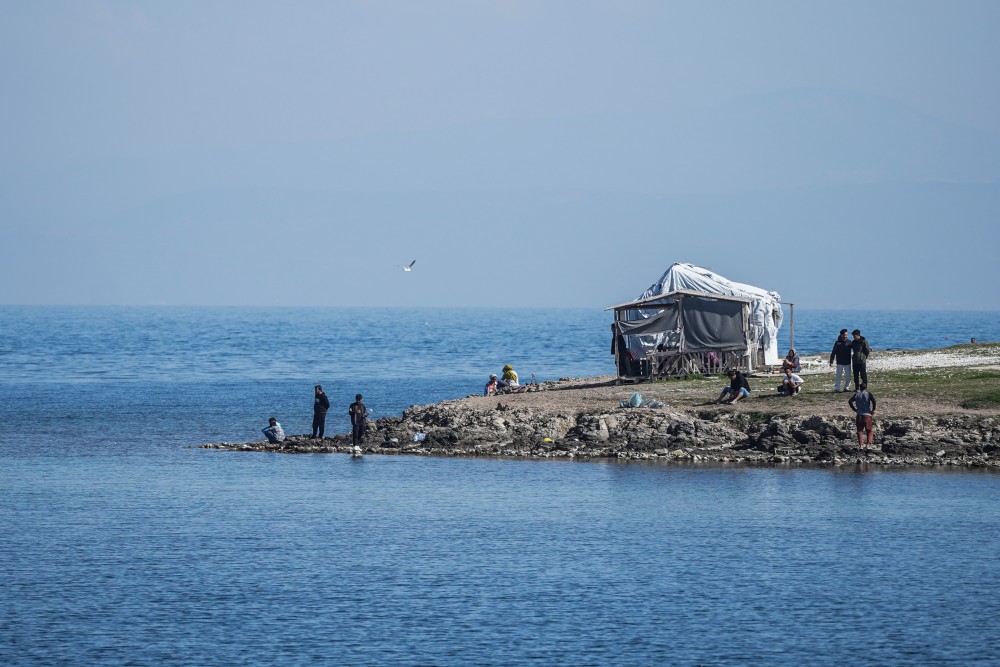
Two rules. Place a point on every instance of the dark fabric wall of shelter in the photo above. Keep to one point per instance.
(668, 320)
(708, 324)
(711, 324)
(704, 324)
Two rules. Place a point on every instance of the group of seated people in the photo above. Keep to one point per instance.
(505, 382)
(739, 387)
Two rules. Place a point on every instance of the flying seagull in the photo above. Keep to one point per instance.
(410, 267)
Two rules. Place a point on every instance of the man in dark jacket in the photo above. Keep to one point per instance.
(358, 413)
(841, 353)
(739, 387)
(859, 358)
(320, 405)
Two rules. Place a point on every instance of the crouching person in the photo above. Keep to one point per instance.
(273, 432)
(791, 384)
(738, 389)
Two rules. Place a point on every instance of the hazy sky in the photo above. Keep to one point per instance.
(845, 154)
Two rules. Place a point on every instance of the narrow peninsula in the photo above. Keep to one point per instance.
(935, 407)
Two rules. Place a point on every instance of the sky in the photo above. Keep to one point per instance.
(543, 154)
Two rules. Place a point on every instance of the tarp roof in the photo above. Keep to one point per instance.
(765, 306)
(652, 301)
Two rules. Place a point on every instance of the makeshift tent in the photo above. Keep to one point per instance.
(696, 319)
(682, 332)
(765, 306)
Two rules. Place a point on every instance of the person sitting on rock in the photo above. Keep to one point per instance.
(491, 386)
(791, 384)
(509, 377)
(273, 432)
(739, 387)
(791, 361)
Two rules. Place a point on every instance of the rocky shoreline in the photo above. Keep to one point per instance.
(924, 418)
(501, 427)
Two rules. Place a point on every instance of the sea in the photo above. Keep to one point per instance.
(124, 543)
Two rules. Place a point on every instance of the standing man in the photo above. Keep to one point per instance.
(859, 359)
(863, 404)
(320, 405)
(841, 353)
(358, 412)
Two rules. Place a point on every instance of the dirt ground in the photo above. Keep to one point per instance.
(578, 395)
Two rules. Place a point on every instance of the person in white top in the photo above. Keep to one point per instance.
(791, 385)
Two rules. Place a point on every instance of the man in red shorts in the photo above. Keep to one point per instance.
(863, 403)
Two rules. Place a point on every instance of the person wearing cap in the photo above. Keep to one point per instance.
(841, 353)
(859, 358)
(273, 432)
(491, 386)
(738, 387)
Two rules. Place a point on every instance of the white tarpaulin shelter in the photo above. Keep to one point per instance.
(765, 306)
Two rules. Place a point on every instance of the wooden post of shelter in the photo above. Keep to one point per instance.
(791, 324)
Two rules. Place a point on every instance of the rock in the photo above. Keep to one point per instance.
(518, 428)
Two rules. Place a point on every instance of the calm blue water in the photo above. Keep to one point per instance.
(122, 544)
(816, 330)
